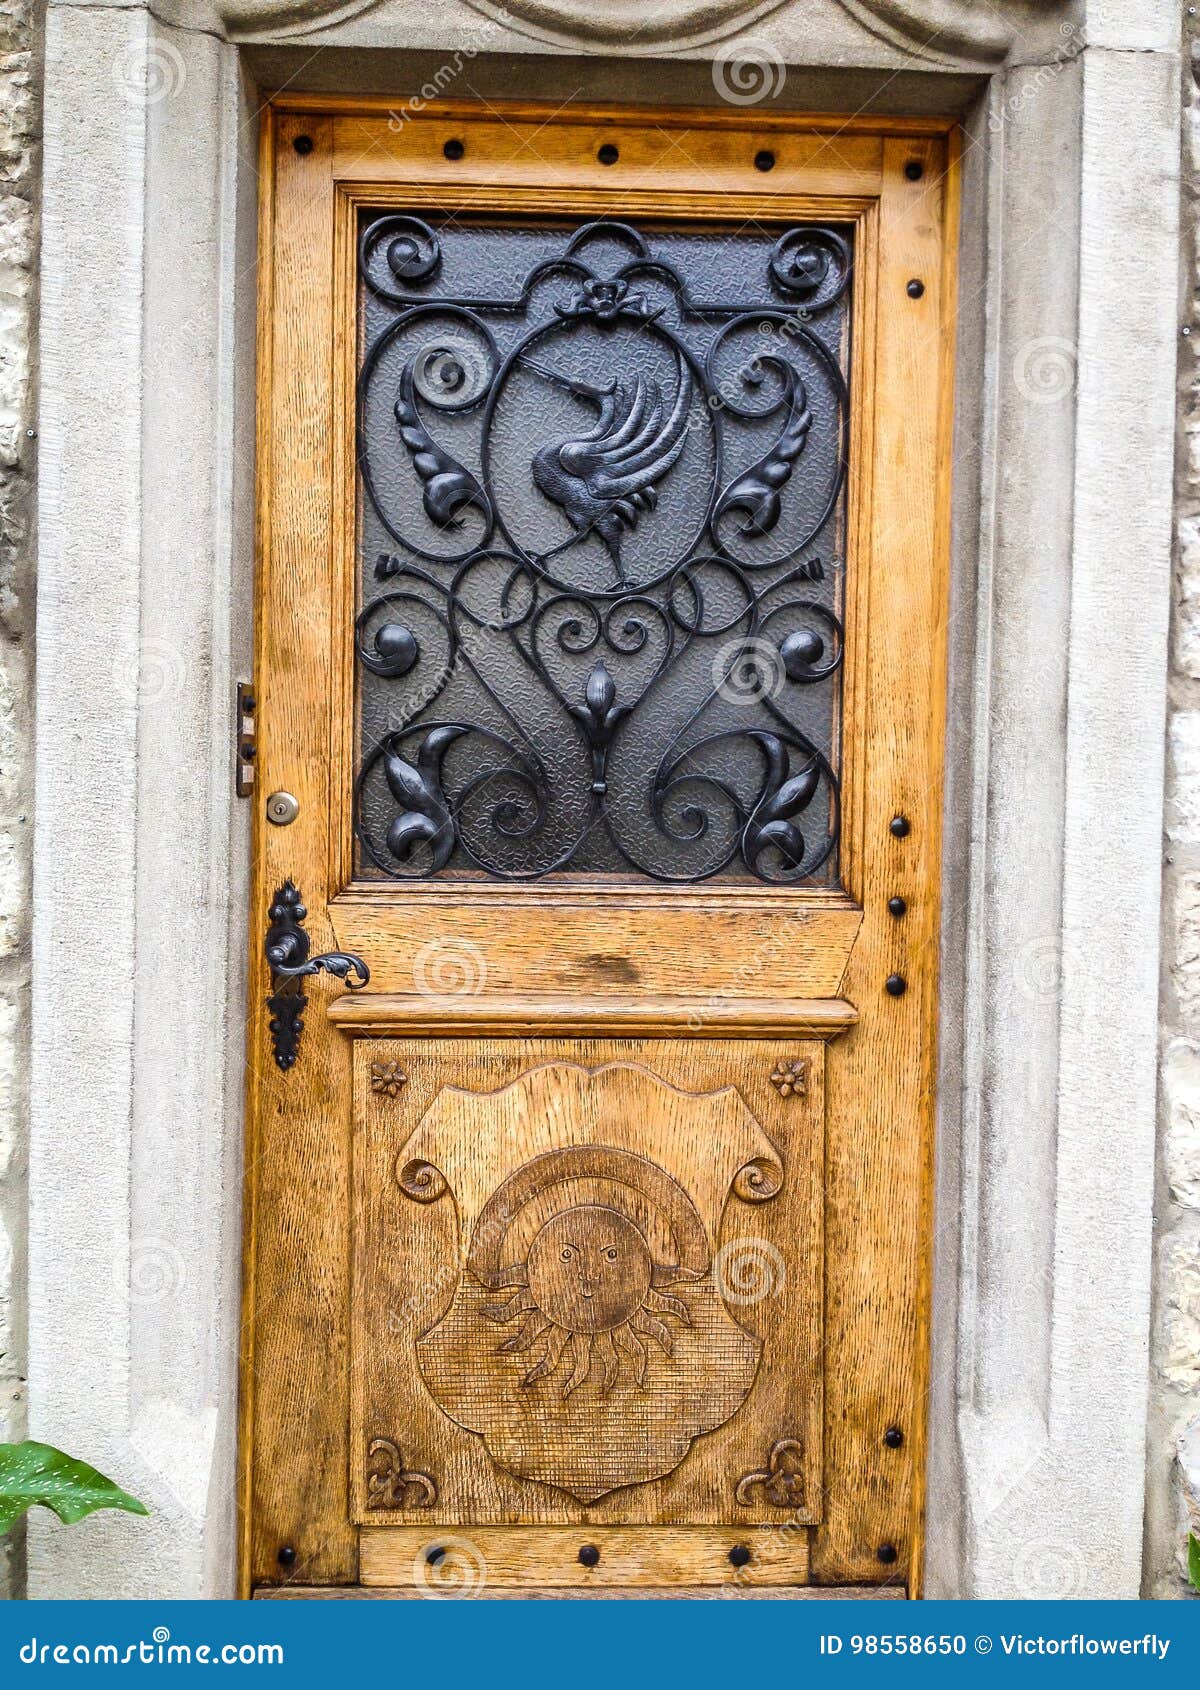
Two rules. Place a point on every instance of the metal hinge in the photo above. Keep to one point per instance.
(245, 733)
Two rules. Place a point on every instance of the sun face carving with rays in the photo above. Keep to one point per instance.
(590, 1294)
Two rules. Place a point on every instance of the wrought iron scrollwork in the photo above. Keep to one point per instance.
(605, 634)
(287, 951)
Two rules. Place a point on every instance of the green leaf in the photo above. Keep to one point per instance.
(38, 1473)
(1194, 1561)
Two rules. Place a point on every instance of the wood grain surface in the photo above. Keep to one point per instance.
(629, 1556)
(744, 1360)
(534, 1593)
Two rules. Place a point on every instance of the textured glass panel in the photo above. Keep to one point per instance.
(601, 545)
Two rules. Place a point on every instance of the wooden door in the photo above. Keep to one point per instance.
(603, 465)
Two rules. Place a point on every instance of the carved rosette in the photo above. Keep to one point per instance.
(387, 1079)
(790, 1077)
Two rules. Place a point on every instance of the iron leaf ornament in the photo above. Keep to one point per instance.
(448, 487)
(426, 819)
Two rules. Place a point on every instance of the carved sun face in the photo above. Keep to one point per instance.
(588, 1297)
(589, 1270)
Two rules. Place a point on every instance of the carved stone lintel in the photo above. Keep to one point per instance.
(294, 15)
(937, 28)
(934, 28)
(389, 1485)
(617, 22)
(930, 30)
(782, 1480)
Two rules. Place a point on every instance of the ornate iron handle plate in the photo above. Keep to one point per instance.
(287, 948)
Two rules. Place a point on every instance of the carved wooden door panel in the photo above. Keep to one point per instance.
(602, 461)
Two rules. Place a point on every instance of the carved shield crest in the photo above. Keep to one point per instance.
(588, 1341)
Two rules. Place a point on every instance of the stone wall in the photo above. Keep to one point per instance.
(20, 117)
(1173, 1456)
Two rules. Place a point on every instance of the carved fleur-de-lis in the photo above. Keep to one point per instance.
(782, 1480)
(425, 818)
(390, 1484)
(599, 716)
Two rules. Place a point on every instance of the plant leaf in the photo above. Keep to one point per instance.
(1194, 1561)
(32, 1473)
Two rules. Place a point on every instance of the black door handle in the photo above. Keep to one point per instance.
(287, 947)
